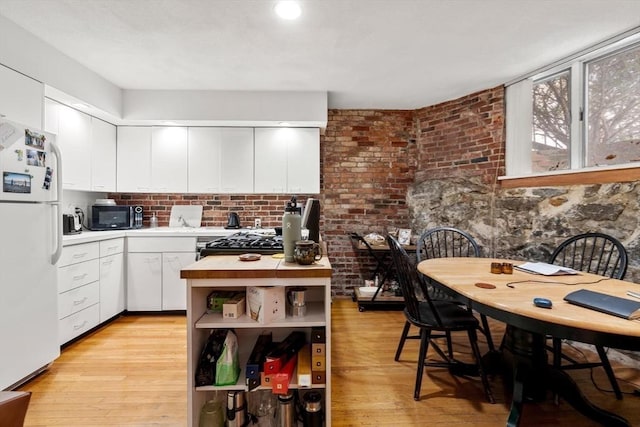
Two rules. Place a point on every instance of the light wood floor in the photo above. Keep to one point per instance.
(133, 373)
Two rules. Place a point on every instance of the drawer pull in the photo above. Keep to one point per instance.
(112, 248)
(82, 255)
(82, 325)
(78, 302)
(107, 262)
(80, 276)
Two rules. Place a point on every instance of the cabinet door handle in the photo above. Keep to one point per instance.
(80, 326)
(78, 302)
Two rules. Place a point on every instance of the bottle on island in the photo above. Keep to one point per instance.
(290, 228)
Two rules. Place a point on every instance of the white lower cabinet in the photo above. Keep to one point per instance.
(174, 289)
(91, 287)
(78, 291)
(153, 272)
(112, 285)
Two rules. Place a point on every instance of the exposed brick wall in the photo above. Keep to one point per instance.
(369, 162)
(463, 137)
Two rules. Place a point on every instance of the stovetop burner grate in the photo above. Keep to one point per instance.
(241, 243)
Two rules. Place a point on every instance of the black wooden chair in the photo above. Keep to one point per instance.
(596, 253)
(442, 317)
(442, 242)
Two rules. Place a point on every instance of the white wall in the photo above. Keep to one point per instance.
(226, 108)
(23, 52)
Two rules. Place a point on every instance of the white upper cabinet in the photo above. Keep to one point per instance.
(287, 160)
(204, 160)
(134, 159)
(88, 147)
(152, 159)
(74, 140)
(220, 160)
(103, 163)
(169, 160)
(236, 167)
(20, 98)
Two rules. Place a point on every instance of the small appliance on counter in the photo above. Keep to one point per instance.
(71, 224)
(115, 217)
(233, 221)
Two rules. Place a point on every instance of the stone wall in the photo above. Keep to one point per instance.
(528, 223)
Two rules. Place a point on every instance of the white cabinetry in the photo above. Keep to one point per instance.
(152, 159)
(112, 285)
(91, 287)
(169, 160)
(134, 159)
(228, 273)
(20, 98)
(220, 160)
(88, 147)
(287, 160)
(103, 156)
(153, 272)
(78, 290)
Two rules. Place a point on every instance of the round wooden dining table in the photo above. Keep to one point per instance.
(509, 298)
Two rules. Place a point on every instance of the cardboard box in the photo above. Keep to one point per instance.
(234, 308)
(216, 299)
(266, 304)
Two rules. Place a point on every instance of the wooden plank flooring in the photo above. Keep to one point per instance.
(133, 373)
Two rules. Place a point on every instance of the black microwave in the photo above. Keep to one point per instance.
(115, 217)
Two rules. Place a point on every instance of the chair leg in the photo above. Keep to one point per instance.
(557, 353)
(449, 344)
(473, 340)
(425, 336)
(607, 368)
(403, 337)
(487, 332)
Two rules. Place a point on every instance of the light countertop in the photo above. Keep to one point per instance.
(94, 236)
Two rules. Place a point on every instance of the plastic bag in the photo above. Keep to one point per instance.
(228, 365)
(206, 371)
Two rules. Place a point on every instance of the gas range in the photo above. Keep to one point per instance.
(241, 243)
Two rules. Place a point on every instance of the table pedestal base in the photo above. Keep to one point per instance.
(532, 376)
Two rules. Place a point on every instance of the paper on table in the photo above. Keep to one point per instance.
(545, 269)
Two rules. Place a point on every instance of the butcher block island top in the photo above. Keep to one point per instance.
(267, 267)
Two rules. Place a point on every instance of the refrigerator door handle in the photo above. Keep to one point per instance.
(57, 219)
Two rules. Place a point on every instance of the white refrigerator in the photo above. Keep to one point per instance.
(30, 246)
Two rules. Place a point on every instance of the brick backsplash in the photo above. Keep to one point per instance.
(368, 160)
(268, 207)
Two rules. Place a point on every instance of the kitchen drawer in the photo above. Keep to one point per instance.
(78, 253)
(78, 323)
(75, 275)
(78, 299)
(161, 244)
(111, 246)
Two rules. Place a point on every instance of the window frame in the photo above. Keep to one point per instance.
(518, 150)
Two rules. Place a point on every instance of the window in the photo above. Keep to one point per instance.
(580, 114)
(613, 109)
(551, 142)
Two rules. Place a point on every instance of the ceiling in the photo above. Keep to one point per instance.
(383, 54)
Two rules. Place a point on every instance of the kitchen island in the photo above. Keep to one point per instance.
(228, 272)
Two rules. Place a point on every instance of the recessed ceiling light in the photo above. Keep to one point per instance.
(288, 9)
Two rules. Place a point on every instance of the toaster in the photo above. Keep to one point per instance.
(71, 224)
